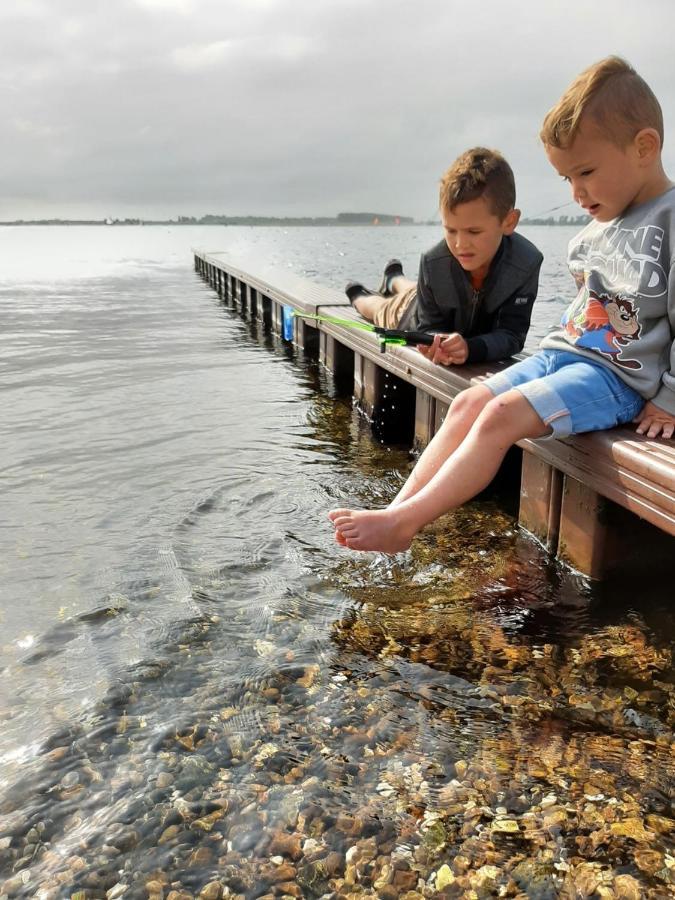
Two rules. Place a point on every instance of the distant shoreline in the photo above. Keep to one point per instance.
(348, 218)
(263, 222)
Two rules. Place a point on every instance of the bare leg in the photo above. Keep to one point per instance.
(368, 305)
(400, 284)
(503, 421)
(463, 412)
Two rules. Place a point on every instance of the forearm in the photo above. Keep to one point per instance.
(499, 344)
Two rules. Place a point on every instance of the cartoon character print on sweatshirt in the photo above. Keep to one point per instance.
(617, 271)
(604, 322)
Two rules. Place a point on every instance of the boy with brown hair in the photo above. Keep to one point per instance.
(612, 360)
(475, 288)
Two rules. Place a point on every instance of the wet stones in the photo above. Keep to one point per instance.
(313, 878)
(164, 780)
(289, 845)
(439, 754)
(124, 840)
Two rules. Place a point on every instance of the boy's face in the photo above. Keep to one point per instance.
(473, 233)
(605, 179)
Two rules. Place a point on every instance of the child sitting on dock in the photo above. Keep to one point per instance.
(612, 359)
(475, 288)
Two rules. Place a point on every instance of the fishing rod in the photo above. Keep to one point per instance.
(552, 209)
(394, 336)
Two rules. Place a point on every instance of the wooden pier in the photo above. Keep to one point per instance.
(592, 500)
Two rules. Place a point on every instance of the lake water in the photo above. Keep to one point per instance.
(202, 693)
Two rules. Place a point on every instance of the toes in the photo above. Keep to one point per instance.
(347, 527)
(343, 522)
(334, 513)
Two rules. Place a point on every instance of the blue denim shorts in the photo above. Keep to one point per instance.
(570, 393)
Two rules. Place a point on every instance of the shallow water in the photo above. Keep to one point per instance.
(200, 687)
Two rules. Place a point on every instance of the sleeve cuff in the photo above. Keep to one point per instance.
(665, 400)
(478, 349)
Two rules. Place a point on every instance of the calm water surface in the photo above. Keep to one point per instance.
(200, 688)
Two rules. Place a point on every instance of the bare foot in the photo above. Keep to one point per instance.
(338, 536)
(380, 529)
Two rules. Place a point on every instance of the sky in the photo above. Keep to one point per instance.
(160, 108)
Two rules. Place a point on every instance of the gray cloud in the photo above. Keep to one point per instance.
(165, 107)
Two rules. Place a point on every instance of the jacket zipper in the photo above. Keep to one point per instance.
(474, 306)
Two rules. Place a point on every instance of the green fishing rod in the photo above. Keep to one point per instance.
(385, 336)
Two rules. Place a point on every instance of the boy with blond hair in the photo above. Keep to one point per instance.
(476, 287)
(612, 360)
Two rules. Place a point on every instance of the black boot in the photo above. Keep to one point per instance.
(354, 289)
(392, 270)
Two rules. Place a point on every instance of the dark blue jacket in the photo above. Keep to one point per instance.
(494, 320)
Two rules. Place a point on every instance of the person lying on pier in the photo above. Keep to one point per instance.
(612, 358)
(476, 287)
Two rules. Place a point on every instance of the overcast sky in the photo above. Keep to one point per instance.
(168, 107)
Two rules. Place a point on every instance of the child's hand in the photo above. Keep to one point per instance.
(446, 350)
(654, 421)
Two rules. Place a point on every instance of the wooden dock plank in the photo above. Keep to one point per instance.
(406, 362)
(281, 285)
(601, 461)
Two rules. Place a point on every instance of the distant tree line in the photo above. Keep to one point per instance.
(345, 218)
(81, 222)
(576, 221)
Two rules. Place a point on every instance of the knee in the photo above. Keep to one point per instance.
(497, 415)
(471, 402)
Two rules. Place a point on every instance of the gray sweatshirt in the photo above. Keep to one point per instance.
(624, 313)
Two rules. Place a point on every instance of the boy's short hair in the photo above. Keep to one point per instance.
(613, 96)
(479, 173)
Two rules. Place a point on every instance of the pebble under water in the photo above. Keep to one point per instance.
(204, 696)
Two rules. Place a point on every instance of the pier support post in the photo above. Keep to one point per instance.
(277, 318)
(584, 541)
(441, 412)
(264, 310)
(540, 500)
(338, 359)
(253, 299)
(430, 414)
(368, 380)
(425, 418)
(598, 537)
(393, 415)
(304, 336)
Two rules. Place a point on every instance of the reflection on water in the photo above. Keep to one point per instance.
(204, 696)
